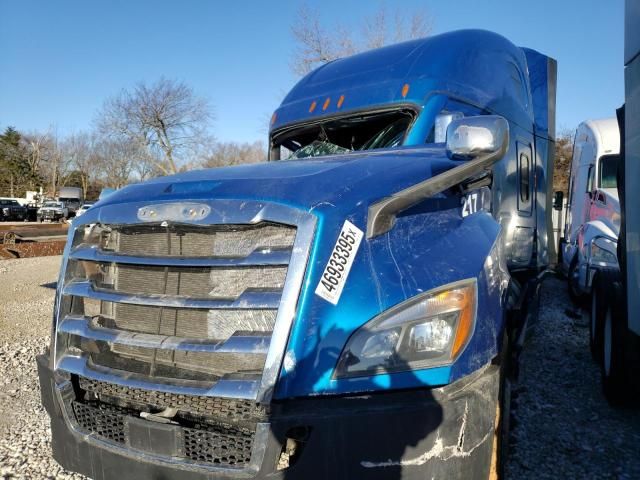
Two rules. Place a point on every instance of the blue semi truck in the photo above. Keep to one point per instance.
(346, 310)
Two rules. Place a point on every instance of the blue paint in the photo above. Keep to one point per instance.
(431, 244)
(474, 65)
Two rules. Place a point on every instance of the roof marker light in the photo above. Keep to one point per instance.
(405, 90)
(274, 117)
(326, 104)
(340, 101)
(312, 107)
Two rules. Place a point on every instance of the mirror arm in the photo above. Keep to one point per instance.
(382, 215)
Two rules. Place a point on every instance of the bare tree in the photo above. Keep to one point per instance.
(166, 118)
(79, 149)
(317, 45)
(48, 158)
(36, 145)
(116, 160)
(232, 153)
(563, 158)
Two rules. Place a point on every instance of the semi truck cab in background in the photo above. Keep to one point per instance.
(593, 212)
(345, 310)
(615, 311)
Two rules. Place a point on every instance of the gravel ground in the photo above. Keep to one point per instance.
(564, 427)
(561, 425)
(26, 302)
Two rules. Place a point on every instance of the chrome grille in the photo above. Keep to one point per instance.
(218, 282)
(174, 302)
(233, 241)
(191, 317)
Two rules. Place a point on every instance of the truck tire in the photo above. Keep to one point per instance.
(595, 327)
(602, 281)
(572, 282)
(613, 362)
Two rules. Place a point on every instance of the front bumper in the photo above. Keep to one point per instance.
(427, 433)
(50, 216)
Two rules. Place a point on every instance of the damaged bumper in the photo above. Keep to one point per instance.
(429, 433)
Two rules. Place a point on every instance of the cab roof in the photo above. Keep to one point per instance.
(477, 66)
(603, 133)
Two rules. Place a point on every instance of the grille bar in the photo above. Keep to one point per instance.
(239, 271)
(262, 257)
(245, 343)
(237, 386)
(250, 299)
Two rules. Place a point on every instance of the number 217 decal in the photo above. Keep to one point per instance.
(337, 270)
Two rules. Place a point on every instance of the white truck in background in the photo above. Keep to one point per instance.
(72, 197)
(593, 213)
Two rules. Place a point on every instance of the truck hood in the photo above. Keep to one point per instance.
(343, 182)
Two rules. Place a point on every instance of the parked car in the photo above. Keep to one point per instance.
(593, 214)
(53, 211)
(10, 209)
(85, 206)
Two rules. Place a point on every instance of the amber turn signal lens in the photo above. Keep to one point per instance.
(467, 303)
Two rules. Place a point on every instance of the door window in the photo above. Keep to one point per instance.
(608, 171)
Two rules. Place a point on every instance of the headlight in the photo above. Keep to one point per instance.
(599, 254)
(428, 330)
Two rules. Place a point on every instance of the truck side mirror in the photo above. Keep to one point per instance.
(471, 137)
(558, 200)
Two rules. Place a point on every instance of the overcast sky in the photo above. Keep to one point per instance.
(60, 59)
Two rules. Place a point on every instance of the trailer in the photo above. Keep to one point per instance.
(350, 309)
(615, 309)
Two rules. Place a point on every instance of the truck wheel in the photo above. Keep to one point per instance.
(572, 282)
(595, 328)
(601, 288)
(613, 367)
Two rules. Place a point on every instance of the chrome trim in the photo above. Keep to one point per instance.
(247, 300)
(86, 327)
(306, 224)
(222, 212)
(261, 257)
(260, 441)
(381, 216)
(227, 387)
(593, 266)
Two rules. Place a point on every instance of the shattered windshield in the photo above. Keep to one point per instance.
(338, 136)
(318, 148)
